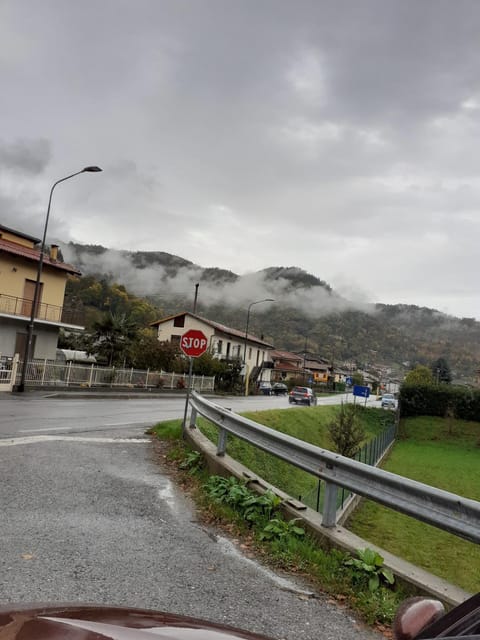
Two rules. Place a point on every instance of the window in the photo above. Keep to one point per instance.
(179, 321)
(219, 346)
(228, 348)
(250, 353)
(175, 339)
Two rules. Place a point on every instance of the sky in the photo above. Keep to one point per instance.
(338, 137)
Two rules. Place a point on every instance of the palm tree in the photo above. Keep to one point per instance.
(112, 336)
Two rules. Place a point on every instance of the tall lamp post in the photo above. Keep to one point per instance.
(246, 338)
(31, 324)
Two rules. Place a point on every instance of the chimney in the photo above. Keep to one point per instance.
(54, 252)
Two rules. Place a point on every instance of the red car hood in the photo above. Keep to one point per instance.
(86, 622)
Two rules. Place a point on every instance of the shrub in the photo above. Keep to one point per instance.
(345, 431)
(439, 400)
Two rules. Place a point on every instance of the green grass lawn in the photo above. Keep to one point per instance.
(444, 455)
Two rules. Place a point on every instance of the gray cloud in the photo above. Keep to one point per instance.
(27, 156)
(339, 137)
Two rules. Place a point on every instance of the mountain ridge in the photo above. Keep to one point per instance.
(307, 313)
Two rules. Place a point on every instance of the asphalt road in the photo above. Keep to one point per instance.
(90, 515)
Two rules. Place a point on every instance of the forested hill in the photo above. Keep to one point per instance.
(307, 313)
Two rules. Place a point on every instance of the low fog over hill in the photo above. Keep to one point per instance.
(306, 313)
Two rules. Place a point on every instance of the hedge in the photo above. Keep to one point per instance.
(438, 400)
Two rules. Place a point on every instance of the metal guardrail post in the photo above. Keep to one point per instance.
(330, 505)
(222, 442)
(193, 418)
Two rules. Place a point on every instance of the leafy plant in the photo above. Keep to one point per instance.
(345, 431)
(192, 461)
(277, 528)
(369, 567)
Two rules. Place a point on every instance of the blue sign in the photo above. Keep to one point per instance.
(363, 392)
(349, 381)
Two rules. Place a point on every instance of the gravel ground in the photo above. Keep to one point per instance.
(99, 521)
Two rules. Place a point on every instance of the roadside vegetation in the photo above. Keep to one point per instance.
(442, 452)
(360, 581)
(310, 424)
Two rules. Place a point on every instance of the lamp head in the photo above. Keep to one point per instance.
(92, 169)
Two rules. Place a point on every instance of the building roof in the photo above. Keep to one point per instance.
(20, 234)
(217, 326)
(285, 355)
(13, 248)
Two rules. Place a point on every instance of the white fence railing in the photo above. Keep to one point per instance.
(68, 374)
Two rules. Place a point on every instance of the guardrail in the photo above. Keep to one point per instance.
(447, 511)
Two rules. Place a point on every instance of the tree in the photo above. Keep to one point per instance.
(111, 337)
(441, 371)
(419, 376)
(146, 352)
(345, 431)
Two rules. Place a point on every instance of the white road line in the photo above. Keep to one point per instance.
(31, 440)
(44, 429)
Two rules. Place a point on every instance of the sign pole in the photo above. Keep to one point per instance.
(190, 370)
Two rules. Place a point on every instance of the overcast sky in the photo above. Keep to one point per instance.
(341, 137)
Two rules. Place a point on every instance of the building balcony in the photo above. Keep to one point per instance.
(49, 313)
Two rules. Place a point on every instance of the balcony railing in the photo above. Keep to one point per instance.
(14, 306)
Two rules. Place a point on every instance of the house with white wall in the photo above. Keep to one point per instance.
(224, 342)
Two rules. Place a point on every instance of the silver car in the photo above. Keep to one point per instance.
(388, 401)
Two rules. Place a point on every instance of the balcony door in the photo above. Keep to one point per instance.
(28, 295)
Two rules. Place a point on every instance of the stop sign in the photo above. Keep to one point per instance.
(193, 343)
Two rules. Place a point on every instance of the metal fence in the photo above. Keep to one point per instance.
(52, 373)
(447, 511)
(371, 453)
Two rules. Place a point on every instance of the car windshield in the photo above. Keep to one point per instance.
(301, 390)
(388, 396)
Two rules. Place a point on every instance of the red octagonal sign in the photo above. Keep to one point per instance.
(193, 343)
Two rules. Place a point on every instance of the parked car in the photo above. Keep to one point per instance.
(388, 401)
(279, 389)
(302, 395)
(265, 388)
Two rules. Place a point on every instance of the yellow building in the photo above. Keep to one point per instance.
(19, 257)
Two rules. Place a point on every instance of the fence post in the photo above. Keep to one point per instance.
(131, 375)
(193, 418)
(222, 442)
(330, 505)
(146, 378)
(43, 372)
(173, 380)
(69, 368)
(90, 376)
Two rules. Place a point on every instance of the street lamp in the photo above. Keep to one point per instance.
(246, 337)
(29, 341)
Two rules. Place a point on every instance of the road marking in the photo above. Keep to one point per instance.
(31, 440)
(44, 429)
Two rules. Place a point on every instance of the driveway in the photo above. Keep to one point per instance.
(92, 516)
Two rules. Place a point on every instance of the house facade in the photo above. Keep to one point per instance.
(19, 258)
(286, 366)
(224, 342)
